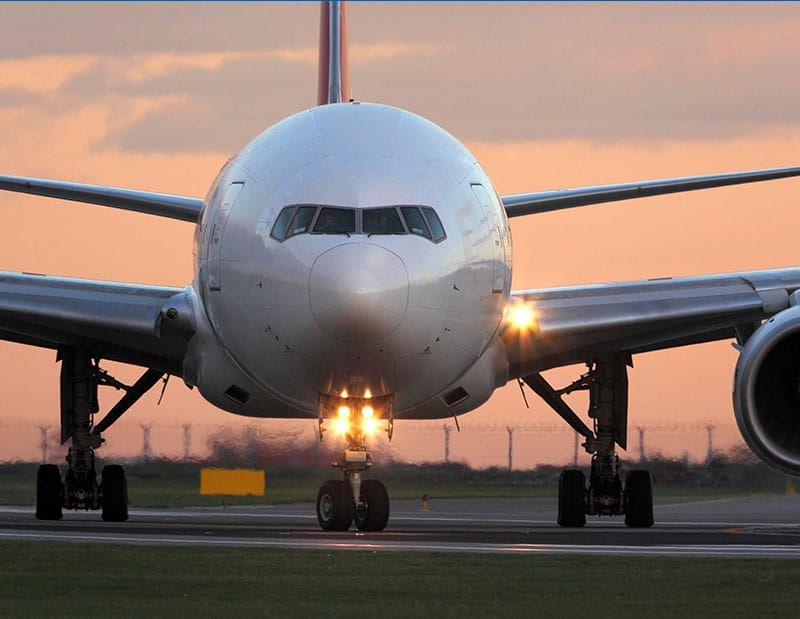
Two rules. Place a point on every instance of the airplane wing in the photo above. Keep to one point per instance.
(161, 204)
(543, 201)
(143, 325)
(581, 323)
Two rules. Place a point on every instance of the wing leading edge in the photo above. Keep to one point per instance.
(581, 323)
(543, 201)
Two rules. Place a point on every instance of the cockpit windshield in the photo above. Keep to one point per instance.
(306, 218)
(381, 221)
(335, 221)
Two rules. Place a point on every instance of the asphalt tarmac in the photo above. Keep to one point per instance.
(739, 526)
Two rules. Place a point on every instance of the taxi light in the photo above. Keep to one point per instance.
(367, 393)
(367, 412)
(344, 393)
(344, 412)
(342, 425)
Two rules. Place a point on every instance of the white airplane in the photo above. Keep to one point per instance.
(353, 265)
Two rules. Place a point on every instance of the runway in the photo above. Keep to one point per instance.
(751, 526)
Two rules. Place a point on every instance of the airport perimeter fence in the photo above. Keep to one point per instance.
(278, 442)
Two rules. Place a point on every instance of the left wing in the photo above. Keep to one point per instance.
(143, 325)
(543, 201)
(581, 323)
(161, 204)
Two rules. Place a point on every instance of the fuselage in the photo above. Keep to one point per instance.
(350, 250)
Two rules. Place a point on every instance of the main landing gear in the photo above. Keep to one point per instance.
(365, 502)
(607, 384)
(79, 490)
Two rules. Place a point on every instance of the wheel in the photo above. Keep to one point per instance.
(114, 485)
(335, 506)
(571, 498)
(49, 492)
(375, 515)
(638, 499)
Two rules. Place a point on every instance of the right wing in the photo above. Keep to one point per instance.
(543, 201)
(579, 323)
(143, 325)
(161, 204)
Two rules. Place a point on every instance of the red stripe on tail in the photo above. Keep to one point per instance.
(333, 83)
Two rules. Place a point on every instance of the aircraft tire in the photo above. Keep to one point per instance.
(375, 516)
(114, 485)
(638, 499)
(335, 506)
(571, 498)
(49, 493)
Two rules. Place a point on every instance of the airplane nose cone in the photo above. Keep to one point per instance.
(358, 292)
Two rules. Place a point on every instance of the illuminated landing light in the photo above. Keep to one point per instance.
(370, 425)
(367, 393)
(342, 425)
(367, 412)
(344, 412)
(522, 317)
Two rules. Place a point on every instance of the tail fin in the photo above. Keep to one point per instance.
(333, 85)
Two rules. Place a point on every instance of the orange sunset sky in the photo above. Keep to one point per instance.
(157, 96)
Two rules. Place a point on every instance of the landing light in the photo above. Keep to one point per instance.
(522, 316)
(370, 425)
(344, 412)
(367, 412)
(342, 425)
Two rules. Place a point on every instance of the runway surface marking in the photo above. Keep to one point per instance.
(730, 550)
(763, 527)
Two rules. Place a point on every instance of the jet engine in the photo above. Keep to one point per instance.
(766, 391)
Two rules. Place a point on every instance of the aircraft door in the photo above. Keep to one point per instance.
(217, 229)
(499, 276)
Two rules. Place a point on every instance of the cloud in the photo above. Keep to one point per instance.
(42, 74)
(389, 50)
(749, 44)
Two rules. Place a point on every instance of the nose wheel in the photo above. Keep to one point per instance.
(335, 506)
(373, 515)
(337, 509)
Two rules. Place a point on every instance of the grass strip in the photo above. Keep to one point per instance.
(39, 579)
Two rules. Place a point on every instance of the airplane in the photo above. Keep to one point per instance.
(353, 265)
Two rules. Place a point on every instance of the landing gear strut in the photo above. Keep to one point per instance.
(353, 499)
(607, 384)
(79, 490)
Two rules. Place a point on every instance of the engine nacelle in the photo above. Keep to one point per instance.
(766, 391)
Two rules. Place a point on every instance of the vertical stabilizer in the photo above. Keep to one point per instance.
(333, 85)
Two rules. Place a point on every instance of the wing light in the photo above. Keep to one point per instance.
(521, 316)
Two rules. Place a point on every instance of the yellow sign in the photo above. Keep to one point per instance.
(237, 482)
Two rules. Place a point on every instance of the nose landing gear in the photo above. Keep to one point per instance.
(365, 502)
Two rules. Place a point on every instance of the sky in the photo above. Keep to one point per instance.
(157, 96)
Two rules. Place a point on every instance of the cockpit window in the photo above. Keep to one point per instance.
(416, 224)
(281, 224)
(335, 221)
(381, 221)
(435, 223)
(302, 220)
